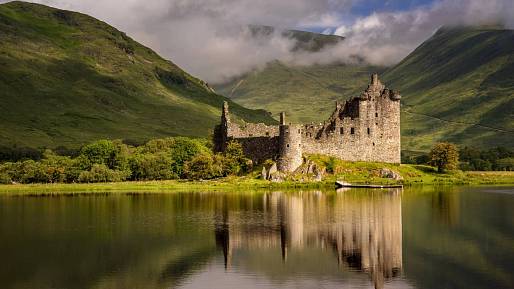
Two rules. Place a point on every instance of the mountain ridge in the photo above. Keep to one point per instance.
(472, 77)
(67, 79)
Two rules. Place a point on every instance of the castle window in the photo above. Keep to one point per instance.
(352, 130)
(376, 114)
(373, 144)
(287, 145)
(341, 130)
(267, 133)
(299, 131)
(376, 124)
(369, 130)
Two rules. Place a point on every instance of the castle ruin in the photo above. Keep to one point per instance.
(364, 128)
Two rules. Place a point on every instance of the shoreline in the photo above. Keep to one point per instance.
(252, 183)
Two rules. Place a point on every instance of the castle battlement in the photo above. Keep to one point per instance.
(364, 128)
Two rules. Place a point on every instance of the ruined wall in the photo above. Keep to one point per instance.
(365, 128)
(259, 141)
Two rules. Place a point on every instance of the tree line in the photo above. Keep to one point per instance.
(470, 159)
(114, 161)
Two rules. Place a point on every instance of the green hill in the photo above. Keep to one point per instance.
(306, 93)
(67, 78)
(304, 40)
(458, 86)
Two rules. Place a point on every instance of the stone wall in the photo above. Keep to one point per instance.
(290, 148)
(365, 128)
(372, 134)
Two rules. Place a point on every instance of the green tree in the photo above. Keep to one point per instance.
(234, 160)
(152, 166)
(100, 173)
(481, 165)
(444, 156)
(183, 150)
(203, 166)
(113, 154)
(506, 164)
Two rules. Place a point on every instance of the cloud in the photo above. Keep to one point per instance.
(210, 38)
(386, 38)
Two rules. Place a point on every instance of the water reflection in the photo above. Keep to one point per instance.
(426, 238)
(363, 229)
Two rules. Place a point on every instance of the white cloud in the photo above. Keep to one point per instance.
(208, 39)
(386, 38)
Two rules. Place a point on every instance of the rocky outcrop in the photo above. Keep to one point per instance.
(390, 174)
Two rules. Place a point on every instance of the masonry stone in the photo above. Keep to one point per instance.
(364, 128)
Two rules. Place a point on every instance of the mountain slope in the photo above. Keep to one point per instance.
(67, 78)
(305, 93)
(304, 40)
(458, 86)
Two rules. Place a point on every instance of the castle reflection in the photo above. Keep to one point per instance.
(362, 228)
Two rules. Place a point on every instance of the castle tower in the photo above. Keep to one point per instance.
(221, 131)
(290, 146)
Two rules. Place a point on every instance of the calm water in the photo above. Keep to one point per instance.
(456, 237)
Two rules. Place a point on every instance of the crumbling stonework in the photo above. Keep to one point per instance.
(364, 128)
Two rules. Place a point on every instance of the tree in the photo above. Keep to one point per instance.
(234, 160)
(152, 166)
(183, 150)
(444, 156)
(506, 164)
(113, 154)
(203, 166)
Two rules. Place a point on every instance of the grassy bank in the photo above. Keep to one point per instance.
(351, 172)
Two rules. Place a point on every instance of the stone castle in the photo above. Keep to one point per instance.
(364, 128)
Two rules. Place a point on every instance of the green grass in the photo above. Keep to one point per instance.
(458, 86)
(357, 173)
(68, 79)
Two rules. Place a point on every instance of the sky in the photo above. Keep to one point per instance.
(210, 38)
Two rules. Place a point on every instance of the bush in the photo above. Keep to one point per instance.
(152, 167)
(5, 178)
(481, 165)
(100, 173)
(506, 164)
(444, 156)
(113, 154)
(204, 167)
(183, 150)
(234, 160)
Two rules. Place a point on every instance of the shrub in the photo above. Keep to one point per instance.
(113, 154)
(204, 166)
(506, 164)
(183, 150)
(5, 178)
(99, 152)
(444, 156)
(481, 165)
(234, 160)
(152, 167)
(100, 173)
